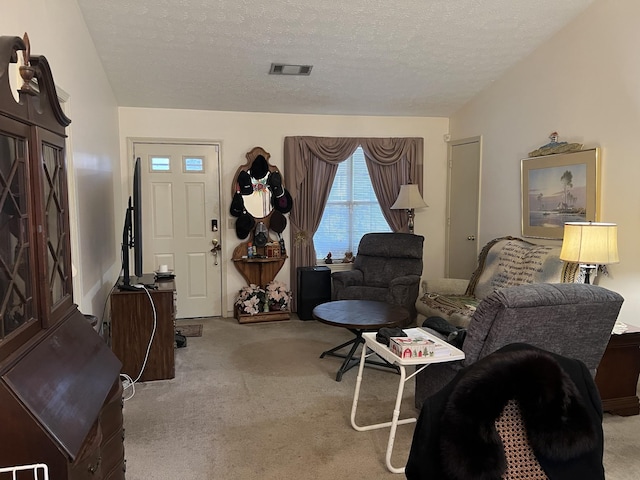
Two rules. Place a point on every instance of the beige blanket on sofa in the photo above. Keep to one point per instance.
(511, 261)
(503, 262)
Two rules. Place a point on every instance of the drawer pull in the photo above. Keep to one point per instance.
(94, 468)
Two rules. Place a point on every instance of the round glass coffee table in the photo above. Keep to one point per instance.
(358, 316)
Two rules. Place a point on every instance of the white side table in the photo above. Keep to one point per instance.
(384, 352)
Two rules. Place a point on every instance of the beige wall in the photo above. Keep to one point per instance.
(57, 31)
(585, 84)
(240, 132)
(582, 83)
(99, 171)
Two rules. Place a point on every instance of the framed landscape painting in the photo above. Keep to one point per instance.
(557, 189)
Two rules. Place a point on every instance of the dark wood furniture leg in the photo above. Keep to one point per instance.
(617, 375)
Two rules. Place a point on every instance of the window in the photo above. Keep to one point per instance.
(193, 164)
(160, 164)
(351, 211)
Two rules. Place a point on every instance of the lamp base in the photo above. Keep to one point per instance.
(585, 273)
(410, 212)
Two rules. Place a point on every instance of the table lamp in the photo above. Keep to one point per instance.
(590, 244)
(409, 199)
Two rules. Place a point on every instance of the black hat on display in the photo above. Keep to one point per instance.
(278, 222)
(275, 184)
(260, 237)
(283, 204)
(237, 205)
(259, 168)
(244, 183)
(244, 225)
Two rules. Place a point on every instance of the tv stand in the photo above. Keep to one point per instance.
(148, 280)
(131, 327)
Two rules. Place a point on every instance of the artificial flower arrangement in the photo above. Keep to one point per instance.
(251, 299)
(278, 295)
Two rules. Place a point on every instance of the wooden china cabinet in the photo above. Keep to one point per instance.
(60, 392)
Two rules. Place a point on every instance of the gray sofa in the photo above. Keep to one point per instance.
(503, 262)
(387, 269)
(570, 319)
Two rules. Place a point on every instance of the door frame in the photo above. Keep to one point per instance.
(222, 227)
(450, 144)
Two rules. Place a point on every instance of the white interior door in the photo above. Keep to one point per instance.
(463, 207)
(181, 200)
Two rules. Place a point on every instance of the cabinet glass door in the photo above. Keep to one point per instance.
(56, 222)
(16, 296)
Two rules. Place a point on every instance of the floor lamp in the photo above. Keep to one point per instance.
(590, 244)
(409, 199)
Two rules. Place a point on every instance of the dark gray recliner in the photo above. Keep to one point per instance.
(387, 269)
(570, 319)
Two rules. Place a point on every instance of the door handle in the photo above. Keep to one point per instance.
(216, 248)
(471, 237)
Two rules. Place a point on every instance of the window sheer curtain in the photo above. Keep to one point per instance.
(310, 165)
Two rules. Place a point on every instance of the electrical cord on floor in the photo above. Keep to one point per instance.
(127, 381)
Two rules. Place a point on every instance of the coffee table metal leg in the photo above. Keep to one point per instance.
(339, 347)
(349, 358)
(349, 361)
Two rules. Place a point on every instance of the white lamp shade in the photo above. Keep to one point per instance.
(408, 198)
(590, 243)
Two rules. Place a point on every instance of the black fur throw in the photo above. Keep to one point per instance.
(557, 422)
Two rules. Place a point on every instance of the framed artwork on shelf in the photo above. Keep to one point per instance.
(557, 189)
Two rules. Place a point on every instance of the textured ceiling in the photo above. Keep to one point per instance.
(369, 57)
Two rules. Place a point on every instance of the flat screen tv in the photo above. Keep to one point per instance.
(137, 219)
(132, 236)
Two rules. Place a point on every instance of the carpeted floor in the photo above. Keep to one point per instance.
(255, 402)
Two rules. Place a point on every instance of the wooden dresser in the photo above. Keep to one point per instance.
(60, 390)
(132, 324)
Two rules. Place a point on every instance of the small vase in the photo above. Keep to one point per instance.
(266, 307)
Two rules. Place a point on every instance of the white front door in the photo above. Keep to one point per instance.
(462, 208)
(180, 203)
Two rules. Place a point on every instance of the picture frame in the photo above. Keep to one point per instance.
(557, 189)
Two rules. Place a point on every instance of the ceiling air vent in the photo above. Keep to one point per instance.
(284, 69)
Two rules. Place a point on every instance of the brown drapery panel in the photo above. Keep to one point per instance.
(393, 162)
(310, 165)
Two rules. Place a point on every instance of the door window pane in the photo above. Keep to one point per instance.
(160, 164)
(193, 164)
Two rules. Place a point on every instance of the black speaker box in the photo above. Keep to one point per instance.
(314, 288)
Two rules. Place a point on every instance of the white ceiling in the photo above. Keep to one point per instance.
(369, 57)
